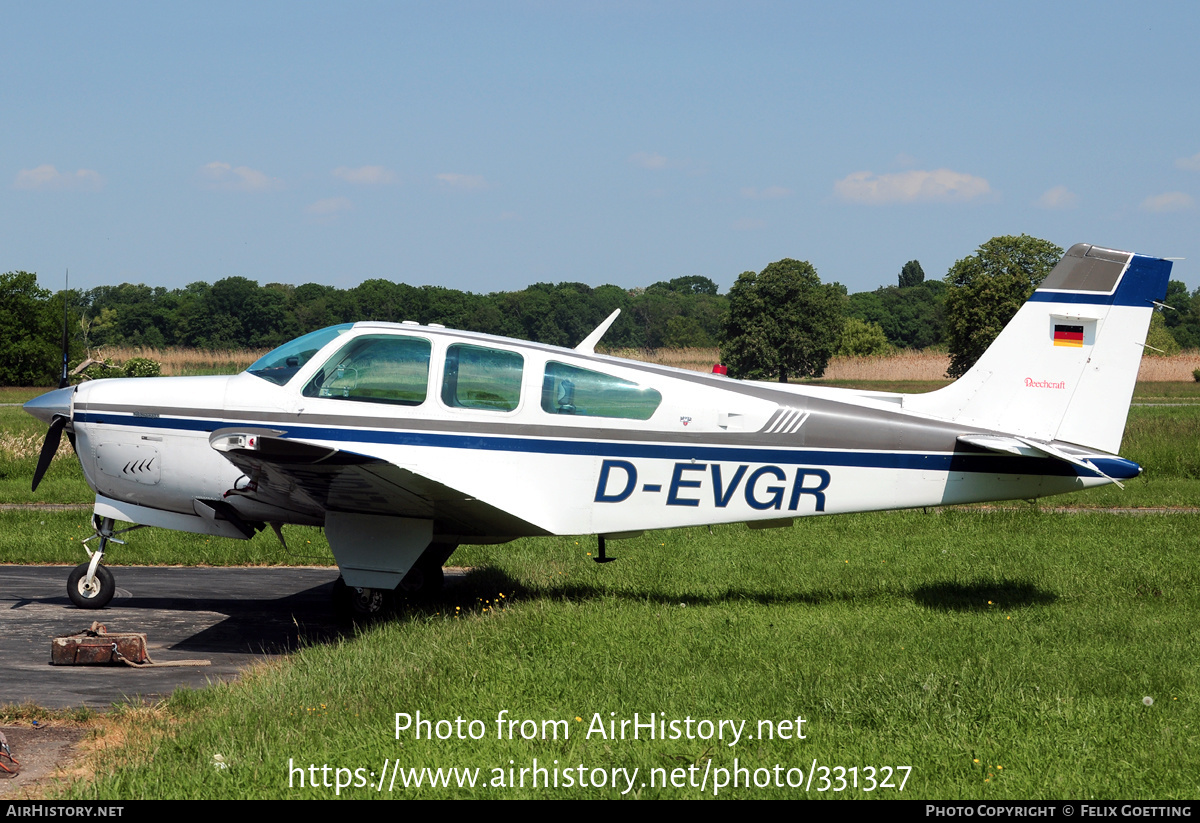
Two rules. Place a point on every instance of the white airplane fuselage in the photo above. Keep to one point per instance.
(707, 455)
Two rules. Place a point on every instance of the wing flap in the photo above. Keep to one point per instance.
(314, 479)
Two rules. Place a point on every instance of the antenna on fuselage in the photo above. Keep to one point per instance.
(64, 380)
(588, 346)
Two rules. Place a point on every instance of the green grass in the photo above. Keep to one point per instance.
(16, 394)
(1017, 639)
(1164, 441)
(53, 537)
(1167, 391)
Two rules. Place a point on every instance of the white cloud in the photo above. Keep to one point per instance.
(768, 193)
(463, 181)
(48, 178)
(648, 160)
(1190, 163)
(330, 205)
(1059, 197)
(1168, 201)
(365, 175)
(222, 176)
(939, 185)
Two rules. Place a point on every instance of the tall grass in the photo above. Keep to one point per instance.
(905, 364)
(27, 446)
(21, 438)
(184, 361)
(1165, 369)
(694, 359)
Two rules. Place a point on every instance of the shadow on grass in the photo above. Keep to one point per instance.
(308, 617)
(982, 595)
(483, 584)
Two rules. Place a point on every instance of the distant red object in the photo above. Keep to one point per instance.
(719, 369)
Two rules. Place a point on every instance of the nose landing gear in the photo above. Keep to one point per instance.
(90, 585)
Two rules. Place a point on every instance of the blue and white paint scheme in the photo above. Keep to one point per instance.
(405, 440)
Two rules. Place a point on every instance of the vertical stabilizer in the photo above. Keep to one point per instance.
(1065, 366)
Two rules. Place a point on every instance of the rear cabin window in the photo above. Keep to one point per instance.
(572, 390)
(376, 368)
(477, 377)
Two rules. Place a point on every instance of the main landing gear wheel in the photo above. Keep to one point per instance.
(425, 579)
(360, 602)
(93, 595)
(422, 582)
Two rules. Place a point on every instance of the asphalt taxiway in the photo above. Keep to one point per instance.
(232, 617)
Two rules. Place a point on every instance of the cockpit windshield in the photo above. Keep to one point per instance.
(280, 365)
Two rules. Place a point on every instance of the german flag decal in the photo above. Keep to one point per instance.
(1068, 336)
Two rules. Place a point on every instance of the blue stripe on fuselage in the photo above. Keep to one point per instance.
(944, 462)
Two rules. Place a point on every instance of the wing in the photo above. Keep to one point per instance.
(312, 479)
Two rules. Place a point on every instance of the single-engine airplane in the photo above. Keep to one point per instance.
(405, 440)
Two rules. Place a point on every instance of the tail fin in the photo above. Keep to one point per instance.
(1065, 366)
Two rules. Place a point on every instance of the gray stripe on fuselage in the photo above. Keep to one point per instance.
(829, 425)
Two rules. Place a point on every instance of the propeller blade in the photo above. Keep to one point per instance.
(49, 447)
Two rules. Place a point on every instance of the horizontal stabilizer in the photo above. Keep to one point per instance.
(1023, 447)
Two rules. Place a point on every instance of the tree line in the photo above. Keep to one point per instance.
(778, 323)
(239, 313)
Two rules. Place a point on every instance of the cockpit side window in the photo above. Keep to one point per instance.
(477, 377)
(376, 368)
(280, 365)
(572, 390)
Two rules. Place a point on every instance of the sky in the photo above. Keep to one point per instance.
(489, 146)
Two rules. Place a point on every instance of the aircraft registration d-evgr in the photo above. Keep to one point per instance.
(405, 440)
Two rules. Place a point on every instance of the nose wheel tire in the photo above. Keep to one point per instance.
(95, 595)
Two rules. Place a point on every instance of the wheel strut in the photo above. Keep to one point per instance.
(106, 533)
(90, 585)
